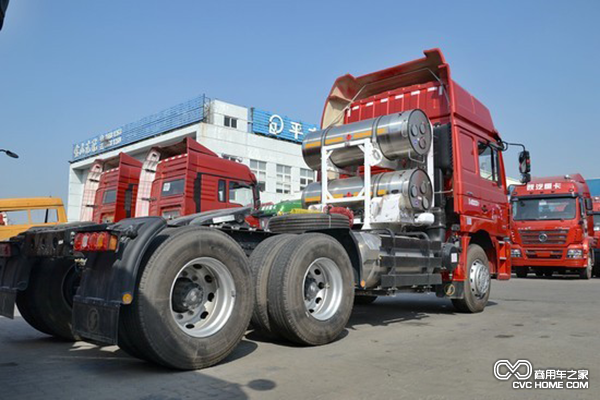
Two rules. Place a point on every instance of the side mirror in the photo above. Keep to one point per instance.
(589, 204)
(525, 166)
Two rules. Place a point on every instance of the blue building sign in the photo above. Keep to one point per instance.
(279, 126)
(181, 115)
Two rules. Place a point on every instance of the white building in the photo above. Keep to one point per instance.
(267, 142)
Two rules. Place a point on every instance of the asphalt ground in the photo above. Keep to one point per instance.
(410, 346)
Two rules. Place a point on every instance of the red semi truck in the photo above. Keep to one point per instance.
(553, 227)
(413, 155)
(110, 189)
(180, 179)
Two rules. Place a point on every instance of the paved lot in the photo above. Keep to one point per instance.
(410, 346)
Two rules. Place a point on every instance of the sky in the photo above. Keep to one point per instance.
(70, 70)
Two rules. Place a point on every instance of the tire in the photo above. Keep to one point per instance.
(130, 337)
(364, 300)
(548, 273)
(28, 308)
(208, 269)
(539, 273)
(477, 286)
(586, 273)
(261, 262)
(522, 272)
(321, 262)
(52, 285)
(300, 223)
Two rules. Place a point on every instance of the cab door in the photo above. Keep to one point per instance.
(493, 195)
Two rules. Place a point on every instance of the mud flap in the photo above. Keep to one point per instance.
(96, 320)
(14, 275)
(8, 297)
(451, 290)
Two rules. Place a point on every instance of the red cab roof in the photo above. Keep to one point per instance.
(432, 68)
(566, 184)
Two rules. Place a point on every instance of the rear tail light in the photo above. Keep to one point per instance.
(5, 250)
(95, 241)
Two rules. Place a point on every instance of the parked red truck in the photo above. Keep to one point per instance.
(422, 171)
(180, 179)
(553, 227)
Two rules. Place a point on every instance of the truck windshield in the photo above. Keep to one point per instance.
(241, 193)
(544, 209)
(173, 187)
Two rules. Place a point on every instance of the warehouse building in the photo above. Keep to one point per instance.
(269, 143)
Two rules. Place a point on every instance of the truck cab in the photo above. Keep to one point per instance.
(115, 197)
(552, 227)
(191, 179)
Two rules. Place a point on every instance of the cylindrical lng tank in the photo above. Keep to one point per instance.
(413, 184)
(398, 136)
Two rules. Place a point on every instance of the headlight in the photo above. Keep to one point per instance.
(515, 253)
(597, 228)
(575, 253)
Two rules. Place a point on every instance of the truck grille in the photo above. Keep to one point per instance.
(558, 236)
(544, 254)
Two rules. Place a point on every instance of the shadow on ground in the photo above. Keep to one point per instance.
(108, 372)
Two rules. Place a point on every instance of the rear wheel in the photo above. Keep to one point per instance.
(261, 261)
(311, 290)
(28, 308)
(478, 282)
(539, 273)
(194, 300)
(548, 273)
(522, 272)
(52, 285)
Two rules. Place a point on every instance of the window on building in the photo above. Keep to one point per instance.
(306, 176)
(259, 169)
(488, 162)
(231, 122)
(284, 179)
(222, 189)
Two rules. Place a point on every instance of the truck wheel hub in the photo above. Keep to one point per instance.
(479, 277)
(187, 295)
(323, 286)
(202, 297)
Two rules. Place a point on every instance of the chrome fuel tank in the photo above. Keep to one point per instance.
(398, 136)
(413, 185)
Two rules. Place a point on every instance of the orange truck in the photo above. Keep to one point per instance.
(18, 215)
(553, 227)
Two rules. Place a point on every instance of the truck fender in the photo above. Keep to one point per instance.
(109, 279)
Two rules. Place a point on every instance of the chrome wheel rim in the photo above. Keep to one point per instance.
(322, 288)
(479, 277)
(202, 297)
